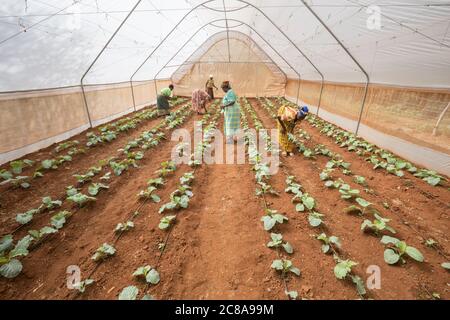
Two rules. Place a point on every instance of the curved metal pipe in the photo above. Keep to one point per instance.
(98, 56)
(235, 20)
(350, 55)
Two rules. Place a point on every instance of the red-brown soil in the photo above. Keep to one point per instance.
(217, 247)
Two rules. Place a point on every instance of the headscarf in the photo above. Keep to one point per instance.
(225, 84)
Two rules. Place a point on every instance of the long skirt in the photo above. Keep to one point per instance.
(283, 138)
(232, 120)
(210, 92)
(162, 104)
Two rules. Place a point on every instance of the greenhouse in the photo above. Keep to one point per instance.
(224, 150)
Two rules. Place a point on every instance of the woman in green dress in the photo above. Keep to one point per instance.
(232, 112)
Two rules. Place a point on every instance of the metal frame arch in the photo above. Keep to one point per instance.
(243, 23)
(349, 54)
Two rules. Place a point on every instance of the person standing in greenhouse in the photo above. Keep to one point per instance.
(199, 99)
(210, 86)
(287, 119)
(232, 112)
(162, 101)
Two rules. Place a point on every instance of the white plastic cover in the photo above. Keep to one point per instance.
(49, 43)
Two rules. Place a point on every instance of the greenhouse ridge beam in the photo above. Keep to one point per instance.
(350, 55)
(98, 56)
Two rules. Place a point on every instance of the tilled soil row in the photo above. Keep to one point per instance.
(18, 200)
(409, 281)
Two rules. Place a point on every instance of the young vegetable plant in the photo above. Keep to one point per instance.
(38, 235)
(122, 227)
(277, 241)
(82, 285)
(81, 199)
(10, 266)
(378, 225)
(49, 204)
(285, 267)
(103, 252)
(347, 192)
(166, 222)
(343, 270)
(59, 219)
(167, 167)
(18, 165)
(95, 188)
(24, 218)
(148, 273)
(271, 218)
(397, 249)
(329, 243)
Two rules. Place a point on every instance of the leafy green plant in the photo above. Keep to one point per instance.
(167, 167)
(71, 190)
(10, 266)
(122, 227)
(66, 145)
(148, 273)
(81, 199)
(59, 219)
(445, 265)
(360, 180)
(5, 174)
(347, 192)
(277, 241)
(50, 204)
(95, 188)
(166, 222)
(397, 249)
(430, 176)
(305, 201)
(149, 194)
(315, 219)
(83, 178)
(129, 293)
(343, 270)
(285, 267)
(82, 285)
(18, 165)
(378, 225)
(24, 218)
(329, 243)
(106, 250)
(271, 218)
(38, 235)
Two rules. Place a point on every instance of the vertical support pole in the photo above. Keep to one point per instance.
(132, 95)
(298, 91)
(349, 54)
(320, 97)
(86, 105)
(156, 89)
(362, 108)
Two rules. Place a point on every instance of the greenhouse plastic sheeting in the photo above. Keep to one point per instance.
(421, 155)
(397, 41)
(400, 47)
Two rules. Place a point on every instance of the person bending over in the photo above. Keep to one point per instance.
(287, 119)
(199, 99)
(162, 101)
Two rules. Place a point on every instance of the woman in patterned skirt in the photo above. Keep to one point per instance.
(232, 112)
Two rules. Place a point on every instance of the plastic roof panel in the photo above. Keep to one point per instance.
(62, 39)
